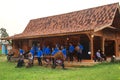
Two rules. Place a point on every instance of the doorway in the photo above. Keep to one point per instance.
(109, 48)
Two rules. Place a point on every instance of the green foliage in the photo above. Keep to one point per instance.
(104, 71)
(3, 32)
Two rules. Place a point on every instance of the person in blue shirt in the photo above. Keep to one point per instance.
(39, 55)
(47, 51)
(81, 47)
(71, 51)
(32, 51)
(79, 52)
(35, 48)
(64, 51)
(21, 51)
(54, 51)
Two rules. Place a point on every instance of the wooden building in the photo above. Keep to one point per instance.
(95, 28)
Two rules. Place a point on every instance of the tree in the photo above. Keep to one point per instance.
(3, 34)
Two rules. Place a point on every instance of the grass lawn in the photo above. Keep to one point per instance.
(0, 51)
(104, 71)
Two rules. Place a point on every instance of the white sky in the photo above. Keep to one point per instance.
(15, 14)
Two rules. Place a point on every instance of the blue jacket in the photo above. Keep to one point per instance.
(35, 48)
(81, 47)
(47, 51)
(21, 51)
(39, 53)
(71, 48)
(64, 52)
(32, 51)
(55, 51)
(43, 49)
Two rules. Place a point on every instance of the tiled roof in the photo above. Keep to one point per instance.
(83, 20)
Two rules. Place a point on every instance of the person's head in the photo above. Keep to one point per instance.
(70, 44)
(38, 44)
(78, 43)
(20, 48)
(47, 46)
(62, 47)
(98, 50)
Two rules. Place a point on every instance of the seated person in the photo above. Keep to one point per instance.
(29, 62)
(10, 54)
(103, 56)
(98, 56)
(20, 61)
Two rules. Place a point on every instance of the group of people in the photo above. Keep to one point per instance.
(100, 56)
(68, 52)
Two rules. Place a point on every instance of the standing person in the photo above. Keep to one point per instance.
(71, 50)
(47, 51)
(35, 48)
(81, 47)
(10, 52)
(54, 51)
(79, 53)
(64, 51)
(39, 55)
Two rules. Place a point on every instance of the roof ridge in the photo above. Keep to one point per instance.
(76, 11)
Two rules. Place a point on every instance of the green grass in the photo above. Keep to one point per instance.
(104, 71)
(0, 51)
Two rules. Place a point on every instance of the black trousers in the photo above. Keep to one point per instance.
(71, 56)
(20, 63)
(39, 61)
(79, 56)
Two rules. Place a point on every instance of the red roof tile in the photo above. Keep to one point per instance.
(83, 20)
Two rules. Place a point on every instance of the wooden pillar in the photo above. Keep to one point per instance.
(103, 44)
(92, 47)
(91, 38)
(116, 48)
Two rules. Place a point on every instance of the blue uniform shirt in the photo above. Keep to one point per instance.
(81, 47)
(43, 49)
(21, 51)
(35, 48)
(55, 51)
(32, 51)
(39, 53)
(64, 52)
(47, 51)
(71, 48)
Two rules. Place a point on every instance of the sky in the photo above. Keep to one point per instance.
(16, 14)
